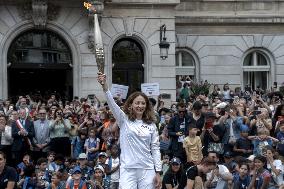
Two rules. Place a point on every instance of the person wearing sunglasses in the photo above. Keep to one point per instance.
(178, 130)
(41, 139)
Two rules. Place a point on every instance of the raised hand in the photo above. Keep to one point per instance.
(102, 81)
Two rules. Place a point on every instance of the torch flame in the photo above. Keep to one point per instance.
(87, 5)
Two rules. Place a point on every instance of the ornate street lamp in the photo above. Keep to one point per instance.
(164, 45)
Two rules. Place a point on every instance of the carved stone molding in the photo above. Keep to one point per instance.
(39, 11)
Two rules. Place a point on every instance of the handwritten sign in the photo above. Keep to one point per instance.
(150, 89)
(119, 91)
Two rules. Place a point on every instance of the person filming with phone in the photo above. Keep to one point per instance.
(178, 129)
(260, 120)
(212, 134)
(59, 133)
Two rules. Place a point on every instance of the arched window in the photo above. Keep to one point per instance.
(186, 68)
(39, 47)
(128, 64)
(256, 70)
(40, 62)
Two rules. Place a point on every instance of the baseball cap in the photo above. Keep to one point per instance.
(76, 169)
(221, 105)
(251, 157)
(175, 160)
(99, 167)
(82, 156)
(228, 154)
(102, 154)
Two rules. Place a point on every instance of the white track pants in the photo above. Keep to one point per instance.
(137, 179)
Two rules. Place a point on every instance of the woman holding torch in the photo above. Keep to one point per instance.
(139, 140)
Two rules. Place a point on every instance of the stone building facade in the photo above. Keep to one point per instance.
(235, 42)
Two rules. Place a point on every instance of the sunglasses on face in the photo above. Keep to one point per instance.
(175, 164)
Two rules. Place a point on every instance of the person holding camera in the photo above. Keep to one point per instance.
(260, 120)
(59, 134)
(212, 134)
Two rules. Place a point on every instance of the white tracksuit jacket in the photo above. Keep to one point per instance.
(139, 142)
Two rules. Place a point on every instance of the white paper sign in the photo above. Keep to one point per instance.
(119, 91)
(151, 89)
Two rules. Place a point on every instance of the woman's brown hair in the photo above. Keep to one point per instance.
(148, 115)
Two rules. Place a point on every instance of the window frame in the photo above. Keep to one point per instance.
(269, 68)
(187, 70)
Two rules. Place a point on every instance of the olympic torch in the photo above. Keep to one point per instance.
(98, 42)
(99, 46)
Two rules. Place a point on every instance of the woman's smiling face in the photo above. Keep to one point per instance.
(258, 164)
(139, 106)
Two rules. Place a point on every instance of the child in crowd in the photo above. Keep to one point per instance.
(41, 181)
(250, 162)
(261, 140)
(275, 167)
(261, 176)
(29, 180)
(280, 137)
(242, 178)
(165, 165)
(193, 146)
(99, 180)
(92, 145)
(77, 144)
(76, 180)
(41, 169)
(102, 161)
(56, 181)
(21, 166)
(243, 146)
(51, 165)
(230, 162)
(113, 164)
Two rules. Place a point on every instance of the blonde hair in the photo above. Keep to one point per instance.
(262, 132)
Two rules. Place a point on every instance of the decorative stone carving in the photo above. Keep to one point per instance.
(40, 11)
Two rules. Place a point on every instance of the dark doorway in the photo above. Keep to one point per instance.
(128, 64)
(39, 62)
(40, 81)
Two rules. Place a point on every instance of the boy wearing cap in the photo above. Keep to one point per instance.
(86, 171)
(99, 180)
(76, 181)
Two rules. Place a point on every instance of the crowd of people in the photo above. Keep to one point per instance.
(224, 139)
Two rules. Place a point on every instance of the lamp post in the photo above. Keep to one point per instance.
(164, 45)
